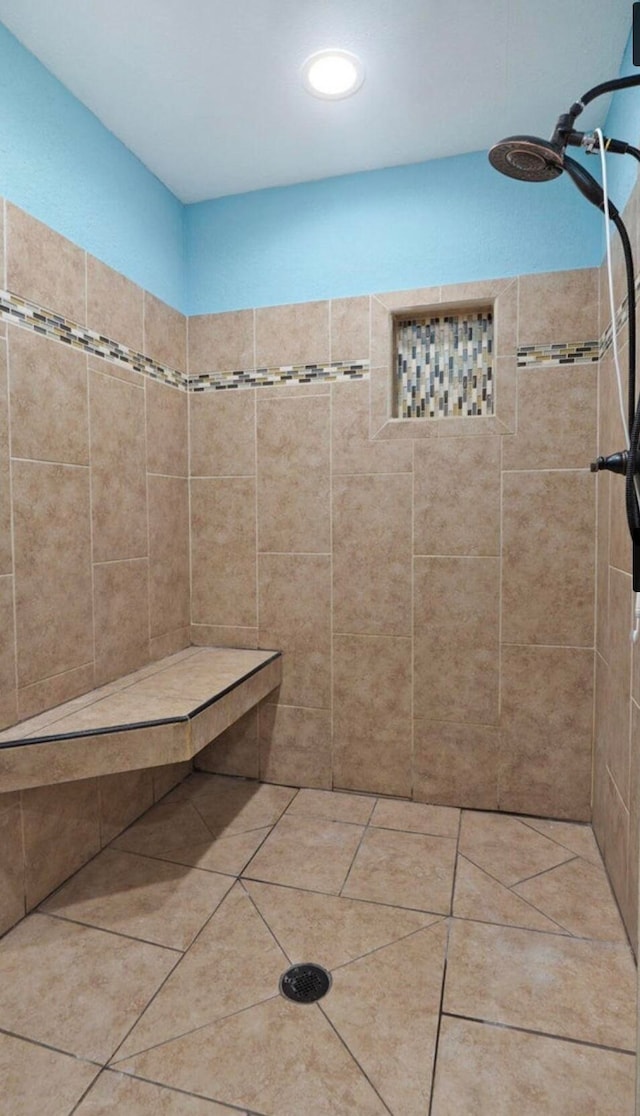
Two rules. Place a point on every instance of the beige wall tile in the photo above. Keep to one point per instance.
(223, 433)
(548, 558)
(415, 298)
(558, 307)
(8, 701)
(620, 549)
(506, 374)
(213, 635)
(118, 477)
(118, 371)
(630, 911)
(168, 554)
(221, 342)
(166, 415)
(165, 333)
(372, 726)
(235, 751)
(123, 798)
(547, 716)
(295, 334)
(602, 561)
(295, 746)
(114, 305)
(612, 832)
(556, 419)
(617, 681)
(6, 561)
(456, 505)
(223, 551)
(2, 246)
(12, 901)
(293, 475)
(352, 449)
(456, 662)
(382, 341)
(53, 691)
(372, 555)
(169, 643)
(53, 569)
(49, 405)
(170, 775)
(294, 609)
(121, 610)
(44, 267)
(456, 765)
(61, 832)
(350, 328)
(505, 320)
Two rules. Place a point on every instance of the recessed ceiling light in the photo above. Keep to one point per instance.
(333, 74)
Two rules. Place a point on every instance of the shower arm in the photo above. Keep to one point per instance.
(564, 127)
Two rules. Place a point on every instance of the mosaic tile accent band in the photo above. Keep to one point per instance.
(40, 320)
(444, 366)
(537, 356)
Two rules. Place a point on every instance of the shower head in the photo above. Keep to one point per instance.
(527, 158)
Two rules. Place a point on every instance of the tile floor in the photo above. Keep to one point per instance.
(479, 966)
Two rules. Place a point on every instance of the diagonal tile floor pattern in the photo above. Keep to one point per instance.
(479, 966)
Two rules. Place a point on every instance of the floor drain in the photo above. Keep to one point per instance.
(305, 983)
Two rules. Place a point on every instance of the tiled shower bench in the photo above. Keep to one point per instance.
(161, 714)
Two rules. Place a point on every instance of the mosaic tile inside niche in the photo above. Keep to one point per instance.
(444, 365)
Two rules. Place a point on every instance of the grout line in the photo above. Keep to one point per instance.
(534, 875)
(412, 652)
(332, 719)
(540, 1034)
(145, 407)
(437, 915)
(105, 929)
(48, 1046)
(353, 859)
(353, 1057)
(436, 921)
(440, 1014)
(256, 908)
(242, 1110)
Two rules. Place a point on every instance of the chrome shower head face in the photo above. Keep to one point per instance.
(527, 158)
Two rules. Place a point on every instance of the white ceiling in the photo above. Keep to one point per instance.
(207, 93)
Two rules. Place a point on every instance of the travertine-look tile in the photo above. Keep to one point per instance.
(616, 680)
(311, 853)
(556, 419)
(222, 635)
(547, 695)
(480, 897)
(223, 556)
(61, 828)
(548, 558)
(44, 267)
(12, 900)
(35, 1079)
(165, 333)
(372, 714)
(115, 1092)
(577, 839)
(221, 342)
(6, 560)
(222, 434)
(292, 1060)
(8, 697)
(558, 306)
(350, 328)
(123, 797)
(371, 555)
(49, 403)
(49, 692)
(333, 805)
(456, 616)
(352, 450)
(167, 441)
(295, 745)
(451, 517)
(491, 1071)
(507, 849)
(235, 751)
(247, 962)
(397, 1054)
(168, 776)
(293, 475)
(170, 642)
(111, 976)
(415, 818)
(118, 469)
(331, 929)
(234, 805)
(294, 610)
(168, 554)
(228, 855)
(544, 982)
(169, 825)
(456, 765)
(53, 569)
(294, 334)
(121, 616)
(578, 896)
(114, 305)
(406, 869)
(143, 898)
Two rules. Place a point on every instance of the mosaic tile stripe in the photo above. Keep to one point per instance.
(538, 356)
(444, 366)
(269, 377)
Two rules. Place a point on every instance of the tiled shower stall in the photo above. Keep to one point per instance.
(452, 595)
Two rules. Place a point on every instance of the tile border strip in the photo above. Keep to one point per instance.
(577, 352)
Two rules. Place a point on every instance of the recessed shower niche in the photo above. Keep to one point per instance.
(443, 363)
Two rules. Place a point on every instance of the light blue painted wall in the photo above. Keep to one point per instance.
(623, 122)
(443, 221)
(64, 167)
